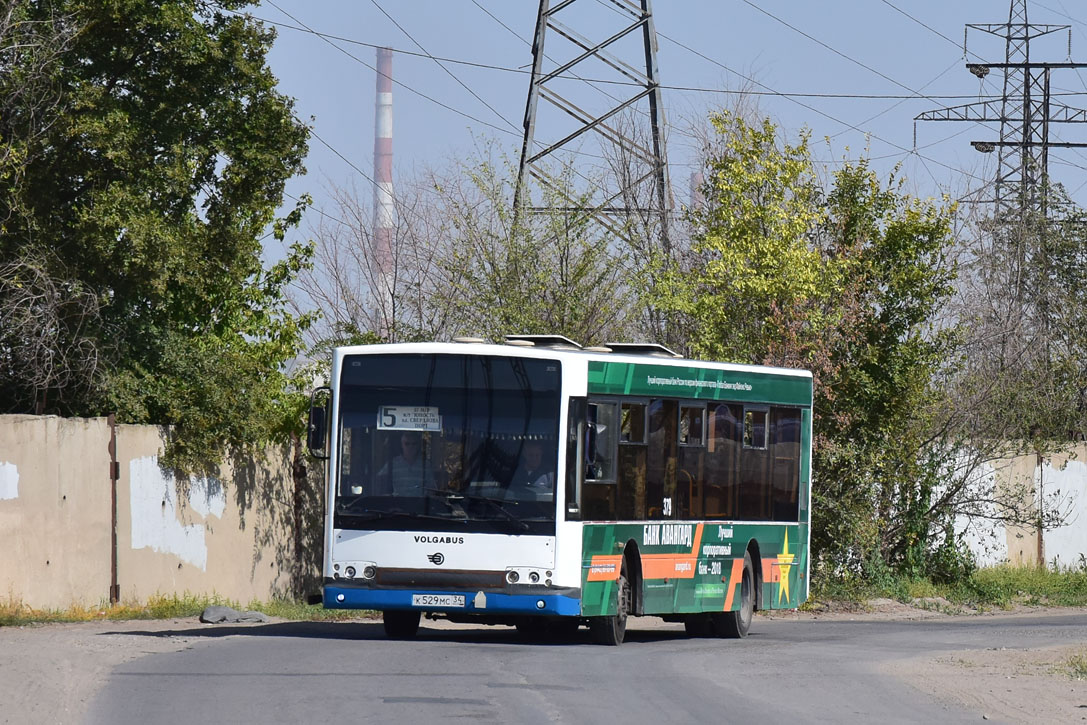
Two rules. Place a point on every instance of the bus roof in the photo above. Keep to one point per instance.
(561, 353)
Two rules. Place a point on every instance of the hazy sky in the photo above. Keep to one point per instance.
(835, 48)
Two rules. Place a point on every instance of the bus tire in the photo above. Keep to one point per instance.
(737, 623)
(400, 624)
(612, 629)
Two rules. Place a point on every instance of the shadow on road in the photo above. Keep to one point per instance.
(373, 630)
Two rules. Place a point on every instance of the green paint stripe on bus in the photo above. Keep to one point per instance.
(704, 587)
(699, 383)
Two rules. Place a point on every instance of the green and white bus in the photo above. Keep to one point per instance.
(546, 486)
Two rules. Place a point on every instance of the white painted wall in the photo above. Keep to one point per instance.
(1062, 481)
(1066, 486)
(9, 481)
(987, 539)
(155, 522)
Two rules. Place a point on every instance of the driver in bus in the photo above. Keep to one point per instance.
(533, 479)
(405, 474)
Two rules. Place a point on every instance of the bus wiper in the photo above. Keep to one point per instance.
(374, 514)
(453, 495)
(449, 498)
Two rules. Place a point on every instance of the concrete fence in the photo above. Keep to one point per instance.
(254, 531)
(233, 534)
(1053, 485)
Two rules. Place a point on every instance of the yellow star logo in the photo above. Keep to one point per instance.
(785, 563)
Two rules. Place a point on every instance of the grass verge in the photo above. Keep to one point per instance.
(15, 613)
(993, 587)
(1077, 666)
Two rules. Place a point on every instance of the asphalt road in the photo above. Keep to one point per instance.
(785, 671)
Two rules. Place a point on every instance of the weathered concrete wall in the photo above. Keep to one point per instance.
(1063, 482)
(234, 534)
(1055, 484)
(54, 510)
(231, 534)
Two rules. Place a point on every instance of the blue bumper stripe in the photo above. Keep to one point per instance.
(382, 599)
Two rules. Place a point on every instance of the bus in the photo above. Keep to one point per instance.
(547, 486)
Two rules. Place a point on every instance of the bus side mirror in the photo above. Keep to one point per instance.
(317, 426)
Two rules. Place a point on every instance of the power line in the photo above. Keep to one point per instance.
(592, 82)
(832, 49)
(771, 91)
(767, 90)
(399, 83)
(307, 29)
(442, 65)
(615, 82)
(916, 95)
(930, 29)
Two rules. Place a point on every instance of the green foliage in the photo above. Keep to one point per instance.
(153, 187)
(549, 273)
(753, 269)
(998, 586)
(1003, 585)
(846, 281)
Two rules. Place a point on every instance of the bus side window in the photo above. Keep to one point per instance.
(785, 462)
(600, 448)
(600, 451)
(575, 453)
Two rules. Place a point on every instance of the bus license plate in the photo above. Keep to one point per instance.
(437, 600)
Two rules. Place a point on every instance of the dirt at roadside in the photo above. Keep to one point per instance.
(1029, 685)
(50, 673)
(1008, 685)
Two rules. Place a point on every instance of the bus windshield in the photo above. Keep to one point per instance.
(447, 443)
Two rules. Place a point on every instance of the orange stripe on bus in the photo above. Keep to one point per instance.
(734, 578)
(673, 566)
(605, 568)
(770, 573)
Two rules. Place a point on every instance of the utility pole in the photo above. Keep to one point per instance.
(1025, 113)
(631, 84)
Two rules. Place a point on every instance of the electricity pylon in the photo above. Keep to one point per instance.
(623, 85)
(1025, 113)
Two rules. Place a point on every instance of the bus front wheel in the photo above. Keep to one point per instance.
(400, 624)
(612, 629)
(736, 624)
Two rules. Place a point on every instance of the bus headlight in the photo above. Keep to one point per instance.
(533, 577)
(349, 572)
(369, 572)
(512, 576)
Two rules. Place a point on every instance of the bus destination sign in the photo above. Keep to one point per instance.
(409, 417)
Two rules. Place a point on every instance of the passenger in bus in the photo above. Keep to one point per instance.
(533, 479)
(406, 474)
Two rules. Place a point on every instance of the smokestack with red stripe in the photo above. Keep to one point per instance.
(697, 180)
(384, 208)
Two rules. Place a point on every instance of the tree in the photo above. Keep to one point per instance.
(152, 190)
(1023, 295)
(550, 272)
(459, 265)
(850, 281)
(30, 55)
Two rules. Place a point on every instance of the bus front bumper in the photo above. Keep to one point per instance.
(545, 602)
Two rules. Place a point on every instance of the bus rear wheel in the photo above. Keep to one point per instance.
(737, 623)
(612, 629)
(400, 624)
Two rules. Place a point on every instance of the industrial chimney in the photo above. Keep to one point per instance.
(384, 208)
